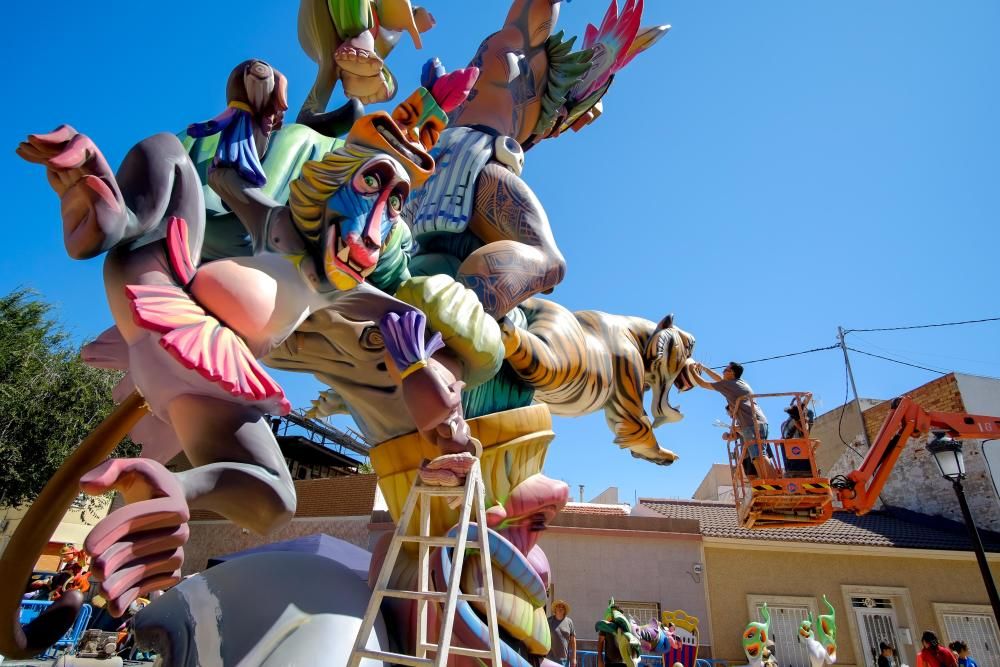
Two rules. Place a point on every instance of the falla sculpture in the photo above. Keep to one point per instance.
(401, 267)
(820, 635)
(757, 638)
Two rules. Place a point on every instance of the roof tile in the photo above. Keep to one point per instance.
(875, 529)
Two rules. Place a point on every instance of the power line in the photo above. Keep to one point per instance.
(928, 326)
(897, 361)
(783, 356)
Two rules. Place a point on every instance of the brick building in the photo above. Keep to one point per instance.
(338, 506)
(915, 483)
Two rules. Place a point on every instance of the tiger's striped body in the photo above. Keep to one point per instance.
(580, 362)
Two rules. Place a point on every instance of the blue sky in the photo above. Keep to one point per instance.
(767, 172)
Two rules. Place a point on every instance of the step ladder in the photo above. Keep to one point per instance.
(472, 494)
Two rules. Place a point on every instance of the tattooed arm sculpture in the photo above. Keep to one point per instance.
(476, 218)
(584, 361)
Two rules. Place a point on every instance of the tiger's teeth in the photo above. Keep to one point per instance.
(343, 253)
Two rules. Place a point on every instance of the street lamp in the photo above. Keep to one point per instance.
(948, 456)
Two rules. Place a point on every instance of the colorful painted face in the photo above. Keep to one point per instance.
(420, 117)
(359, 218)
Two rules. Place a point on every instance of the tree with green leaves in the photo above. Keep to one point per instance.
(49, 399)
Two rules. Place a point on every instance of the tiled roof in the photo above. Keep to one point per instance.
(596, 508)
(352, 495)
(892, 528)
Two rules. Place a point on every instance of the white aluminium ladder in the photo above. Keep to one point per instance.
(471, 494)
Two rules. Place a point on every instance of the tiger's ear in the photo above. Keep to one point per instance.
(666, 322)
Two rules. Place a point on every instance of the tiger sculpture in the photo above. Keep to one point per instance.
(579, 362)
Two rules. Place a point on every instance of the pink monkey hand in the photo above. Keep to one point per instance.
(137, 548)
(93, 209)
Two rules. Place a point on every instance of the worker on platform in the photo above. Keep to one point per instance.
(751, 424)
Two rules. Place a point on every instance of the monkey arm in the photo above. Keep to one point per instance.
(248, 202)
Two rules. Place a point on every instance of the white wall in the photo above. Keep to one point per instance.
(590, 566)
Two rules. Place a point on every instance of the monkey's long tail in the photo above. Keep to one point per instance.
(38, 525)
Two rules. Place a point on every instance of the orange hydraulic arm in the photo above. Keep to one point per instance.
(860, 489)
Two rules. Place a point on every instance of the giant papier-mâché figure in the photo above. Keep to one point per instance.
(349, 41)
(820, 635)
(476, 219)
(190, 336)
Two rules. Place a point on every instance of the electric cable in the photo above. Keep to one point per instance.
(782, 356)
(927, 326)
(897, 361)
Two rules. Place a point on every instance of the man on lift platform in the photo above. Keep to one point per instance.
(750, 420)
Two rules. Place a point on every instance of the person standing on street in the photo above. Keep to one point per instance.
(563, 633)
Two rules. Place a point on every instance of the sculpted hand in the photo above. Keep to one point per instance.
(93, 210)
(137, 548)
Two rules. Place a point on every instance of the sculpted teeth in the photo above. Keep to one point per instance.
(395, 143)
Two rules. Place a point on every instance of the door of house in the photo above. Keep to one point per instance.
(979, 631)
(876, 623)
(789, 649)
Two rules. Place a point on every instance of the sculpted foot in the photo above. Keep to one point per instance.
(653, 454)
(357, 55)
(370, 89)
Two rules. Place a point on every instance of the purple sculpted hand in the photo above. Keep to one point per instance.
(137, 548)
(93, 210)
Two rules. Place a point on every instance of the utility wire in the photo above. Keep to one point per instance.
(897, 361)
(783, 356)
(927, 326)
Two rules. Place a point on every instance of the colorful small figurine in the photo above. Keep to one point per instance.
(820, 636)
(615, 628)
(757, 637)
(349, 41)
(256, 100)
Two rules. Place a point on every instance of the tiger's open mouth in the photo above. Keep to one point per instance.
(683, 381)
(664, 412)
(753, 650)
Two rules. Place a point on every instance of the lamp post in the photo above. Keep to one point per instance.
(948, 456)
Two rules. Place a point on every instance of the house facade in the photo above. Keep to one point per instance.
(888, 575)
(891, 574)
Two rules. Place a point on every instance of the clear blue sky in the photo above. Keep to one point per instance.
(767, 171)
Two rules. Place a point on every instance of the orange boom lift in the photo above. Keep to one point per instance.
(777, 484)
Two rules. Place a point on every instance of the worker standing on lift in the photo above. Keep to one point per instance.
(731, 385)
